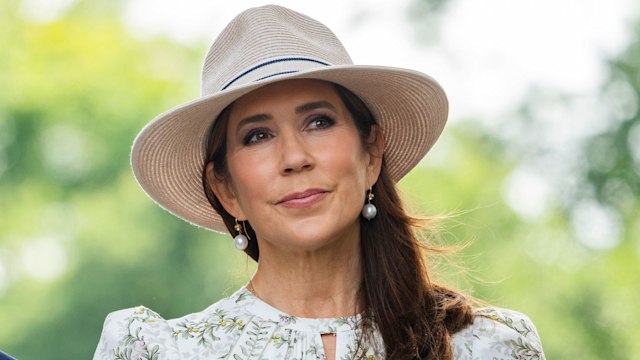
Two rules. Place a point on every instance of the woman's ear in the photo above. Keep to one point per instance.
(224, 193)
(376, 149)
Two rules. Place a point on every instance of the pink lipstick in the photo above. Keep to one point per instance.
(302, 199)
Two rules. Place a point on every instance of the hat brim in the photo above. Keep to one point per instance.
(167, 156)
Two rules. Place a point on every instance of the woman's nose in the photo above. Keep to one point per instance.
(296, 155)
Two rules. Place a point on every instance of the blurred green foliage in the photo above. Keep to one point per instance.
(76, 92)
(79, 239)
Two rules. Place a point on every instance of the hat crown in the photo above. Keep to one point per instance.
(265, 42)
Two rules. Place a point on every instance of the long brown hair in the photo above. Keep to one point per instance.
(415, 317)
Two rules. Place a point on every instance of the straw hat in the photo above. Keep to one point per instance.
(261, 46)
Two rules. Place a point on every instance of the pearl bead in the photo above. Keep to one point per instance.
(369, 211)
(240, 242)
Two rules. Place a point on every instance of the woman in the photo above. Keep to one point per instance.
(296, 151)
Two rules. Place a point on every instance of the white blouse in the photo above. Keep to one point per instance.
(244, 327)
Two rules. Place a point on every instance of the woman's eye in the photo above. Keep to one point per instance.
(255, 136)
(321, 122)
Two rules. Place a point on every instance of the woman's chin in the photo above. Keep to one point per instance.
(306, 240)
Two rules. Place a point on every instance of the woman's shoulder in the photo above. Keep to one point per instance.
(140, 332)
(498, 334)
(132, 333)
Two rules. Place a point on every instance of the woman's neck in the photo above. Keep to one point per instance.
(317, 284)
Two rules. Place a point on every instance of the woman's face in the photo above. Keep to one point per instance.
(298, 171)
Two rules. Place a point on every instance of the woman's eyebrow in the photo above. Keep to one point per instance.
(314, 105)
(299, 110)
(252, 119)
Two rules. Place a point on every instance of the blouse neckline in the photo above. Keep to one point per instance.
(258, 307)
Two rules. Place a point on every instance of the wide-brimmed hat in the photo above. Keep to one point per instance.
(261, 46)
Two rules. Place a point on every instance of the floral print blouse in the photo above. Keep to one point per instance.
(244, 327)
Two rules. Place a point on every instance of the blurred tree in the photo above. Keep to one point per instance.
(78, 239)
(596, 178)
(612, 157)
(575, 266)
(425, 16)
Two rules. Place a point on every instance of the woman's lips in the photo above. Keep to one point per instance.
(302, 199)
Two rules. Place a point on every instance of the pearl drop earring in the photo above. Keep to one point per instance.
(369, 211)
(240, 241)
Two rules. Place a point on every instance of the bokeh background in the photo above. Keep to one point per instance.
(539, 167)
